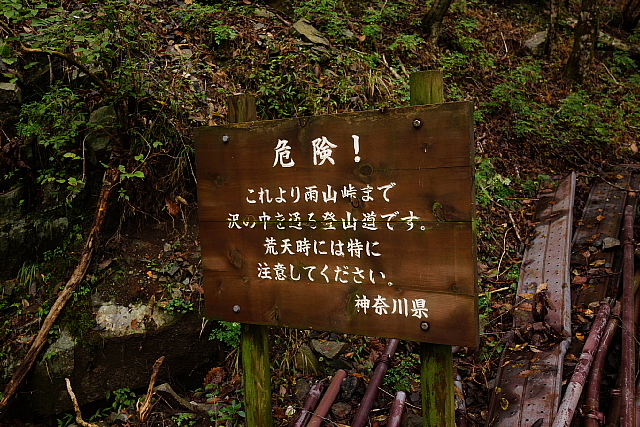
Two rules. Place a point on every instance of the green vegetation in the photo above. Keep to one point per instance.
(231, 413)
(122, 84)
(228, 333)
(404, 375)
(122, 399)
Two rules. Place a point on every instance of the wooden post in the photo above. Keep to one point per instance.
(254, 342)
(436, 361)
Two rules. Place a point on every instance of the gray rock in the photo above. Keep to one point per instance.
(341, 410)
(328, 349)
(11, 204)
(99, 141)
(536, 44)
(412, 420)
(340, 363)
(117, 320)
(349, 386)
(302, 389)
(306, 361)
(263, 13)
(20, 240)
(310, 33)
(609, 244)
(177, 401)
(10, 93)
(109, 364)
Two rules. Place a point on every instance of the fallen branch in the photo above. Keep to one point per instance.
(574, 389)
(111, 177)
(143, 411)
(76, 407)
(627, 385)
(595, 418)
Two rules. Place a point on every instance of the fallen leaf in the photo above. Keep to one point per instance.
(579, 280)
(135, 324)
(181, 200)
(526, 296)
(504, 403)
(525, 307)
(215, 376)
(104, 263)
(598, 263)
(172, 207)
(526, 373)
(542, 287)
(600, 217)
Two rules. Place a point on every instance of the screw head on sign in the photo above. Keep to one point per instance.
(226, 139)
(424, 326)
(236, 308)
(417, 123)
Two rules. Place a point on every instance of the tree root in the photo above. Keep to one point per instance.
(145, 409)
(76, 407)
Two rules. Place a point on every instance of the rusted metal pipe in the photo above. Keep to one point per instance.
(565, 412)
(309, 405)
(395, 414)
(360, 419)
(325, 404)
(627, 387)
(595, 418)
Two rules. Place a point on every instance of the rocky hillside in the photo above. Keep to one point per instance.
(87, 86)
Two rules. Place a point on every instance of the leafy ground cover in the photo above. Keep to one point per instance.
(167, 67)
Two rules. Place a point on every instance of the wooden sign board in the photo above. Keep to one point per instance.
(357, 223)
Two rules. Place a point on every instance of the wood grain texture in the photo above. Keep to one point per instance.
(411, 169)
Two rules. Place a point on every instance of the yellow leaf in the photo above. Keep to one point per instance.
(526, 296)
(526, 373)
(504, 403)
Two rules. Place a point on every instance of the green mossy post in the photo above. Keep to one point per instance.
(254, 342)
(436, 361)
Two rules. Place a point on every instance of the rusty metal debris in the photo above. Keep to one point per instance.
(528, 386)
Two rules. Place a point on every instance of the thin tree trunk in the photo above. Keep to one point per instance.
(552, 30)
(579, 65)
(630, 14)
(432, 21)
(110, 180)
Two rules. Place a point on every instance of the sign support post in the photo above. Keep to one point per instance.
(436, 360)
(254, 341)
(370, 214)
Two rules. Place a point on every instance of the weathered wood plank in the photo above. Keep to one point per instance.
(388, 140)
(367, 208)
(433, 195)
(332, 307)
(254, 340)
(418, 260)
(436, 360)
(527, 390)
